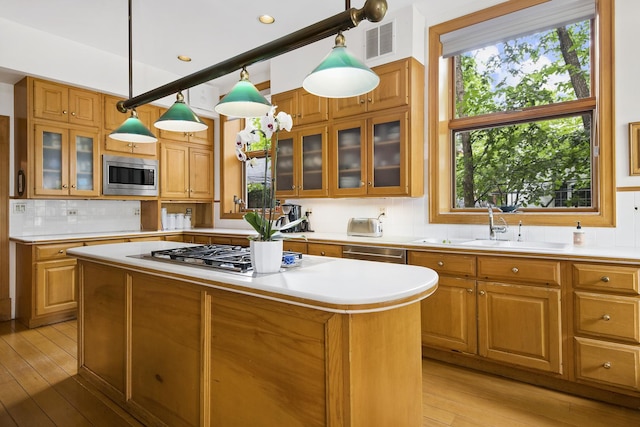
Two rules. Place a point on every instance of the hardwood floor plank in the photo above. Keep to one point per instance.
(68, 329)
(45, 396)
(70, 345)
(5, 418)
(58, 356)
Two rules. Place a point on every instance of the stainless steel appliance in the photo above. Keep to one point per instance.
(292, 213)
(375, 253)
(366, 227)
(221, 257)
(129, 176)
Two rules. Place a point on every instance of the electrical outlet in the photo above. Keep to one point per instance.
(136, 211)
(383, 211)
(72, 212)
(19, 208)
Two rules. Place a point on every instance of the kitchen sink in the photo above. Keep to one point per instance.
(547, 246)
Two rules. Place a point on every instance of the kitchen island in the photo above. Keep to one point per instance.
(331, 342)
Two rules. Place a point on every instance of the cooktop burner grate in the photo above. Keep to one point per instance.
(223, 257)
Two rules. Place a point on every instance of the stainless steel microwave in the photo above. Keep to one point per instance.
(129, 176)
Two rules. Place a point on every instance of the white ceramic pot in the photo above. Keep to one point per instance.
(266, 257)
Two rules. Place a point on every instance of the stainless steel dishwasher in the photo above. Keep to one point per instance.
(375, 253)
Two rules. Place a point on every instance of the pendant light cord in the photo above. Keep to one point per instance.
(130, 53)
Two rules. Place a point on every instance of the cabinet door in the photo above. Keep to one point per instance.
(51, 168)
(56, 286)
(520, 325)
(286, 182)
(174, 171)
(345, 107)
(200, 173)
(348, 159)
(393, 90)
(388, 155)
(84, 165)
(84, 108)
(449, 316)
(287, 102)
(51, 101)
(203, 137)
(313, 180)
(113, 118)
(311, 108)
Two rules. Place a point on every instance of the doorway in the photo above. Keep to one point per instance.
(5, 299)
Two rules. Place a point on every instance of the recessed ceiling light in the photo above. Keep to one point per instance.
(266, 19)
(184, 58)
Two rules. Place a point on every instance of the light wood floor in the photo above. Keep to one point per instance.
(39, 387)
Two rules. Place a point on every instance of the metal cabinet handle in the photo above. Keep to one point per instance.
(440, 263)
(470, 290)
(606, 365)
(482, 292)
(605, 279)
(65, 186)
(362, 101)
(73, 186)
(369, 99)
(60, 251)
(73, 114)
(606, 317)
(293, 187)
(322, 253)
(515, 270)
(64, 111)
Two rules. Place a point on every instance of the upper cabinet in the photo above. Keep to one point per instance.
(148, 114)
(304, 107)
(185, 172)
(375, 144)
(204, 137)
(61, 103)
(57, 134)
(393, 91)
(302, 163)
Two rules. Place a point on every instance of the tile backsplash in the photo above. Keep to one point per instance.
(46, 217)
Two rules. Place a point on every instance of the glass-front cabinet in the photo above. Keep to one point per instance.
(370, 157)
(67, 162)
(301, 166)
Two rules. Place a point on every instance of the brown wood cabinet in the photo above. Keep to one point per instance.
(57, 134)
(204, 137)
(606, 329)
(185, 172)
(53, 101)
(46, 281)
(394, 90)
(302, 163)
(304, 107)
(324, 249)
(148, 114)
(513, 317)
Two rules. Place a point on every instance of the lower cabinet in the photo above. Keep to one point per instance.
(514, 318)
(46, 284)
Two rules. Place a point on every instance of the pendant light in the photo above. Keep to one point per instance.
(132, 130)
(180, 118)
(340, 74)
(244, 100)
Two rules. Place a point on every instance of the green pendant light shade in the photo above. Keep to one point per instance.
(340, 74)
(244, 100)
(132, 130)
(180, 118)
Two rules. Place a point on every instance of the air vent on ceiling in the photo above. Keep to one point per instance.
(379, 40)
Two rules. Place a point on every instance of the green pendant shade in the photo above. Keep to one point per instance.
(132, 130)
(340, 74)
(180, 118)
(244, 100)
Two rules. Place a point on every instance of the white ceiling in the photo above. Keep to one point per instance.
(208, 31)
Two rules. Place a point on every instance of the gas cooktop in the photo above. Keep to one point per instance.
(222, 257)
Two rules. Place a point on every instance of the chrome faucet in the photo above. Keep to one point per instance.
(493, 229)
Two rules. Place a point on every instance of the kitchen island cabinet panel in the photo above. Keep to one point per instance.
(280, 362)
(166, 356)
(103, 320)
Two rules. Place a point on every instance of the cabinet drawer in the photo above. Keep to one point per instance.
(324, 250)
(606, 278)
(517, 269)
(608, 316)
(608, 363)
(54, 251)
(289, 245)
(452, 264)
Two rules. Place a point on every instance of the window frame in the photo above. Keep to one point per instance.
(442, 122)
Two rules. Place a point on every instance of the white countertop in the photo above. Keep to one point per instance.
(330, 284)
(624, 254)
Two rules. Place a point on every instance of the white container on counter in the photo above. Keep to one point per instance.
(163, 216)
(179, 221)
(171, 221)
(186, 224)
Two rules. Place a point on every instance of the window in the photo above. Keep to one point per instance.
(513, 114)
